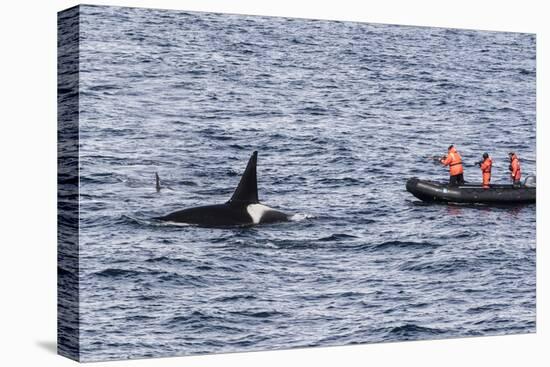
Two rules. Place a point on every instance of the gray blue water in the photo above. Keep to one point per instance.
(342, 114)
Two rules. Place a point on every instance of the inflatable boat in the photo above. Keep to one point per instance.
(429, 191)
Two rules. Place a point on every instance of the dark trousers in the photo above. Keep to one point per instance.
(456, 180)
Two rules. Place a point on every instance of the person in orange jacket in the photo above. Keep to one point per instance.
(454, 161)
(486, 165)
(515, 169)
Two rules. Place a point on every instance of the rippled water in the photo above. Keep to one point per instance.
(341, 114)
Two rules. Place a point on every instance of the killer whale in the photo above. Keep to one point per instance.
(243, 209)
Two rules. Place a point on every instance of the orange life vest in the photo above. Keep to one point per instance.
(515, 168)
(486, 171)
(454, 161)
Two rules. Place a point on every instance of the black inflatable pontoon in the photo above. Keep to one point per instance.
(473, 193)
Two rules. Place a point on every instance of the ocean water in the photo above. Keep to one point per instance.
(342, 114)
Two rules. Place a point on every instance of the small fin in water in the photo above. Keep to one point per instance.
(157, 179)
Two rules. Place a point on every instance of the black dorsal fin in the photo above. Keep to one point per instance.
(247, 191)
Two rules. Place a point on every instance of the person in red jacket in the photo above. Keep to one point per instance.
(454, 161)
(515, 169)
(486, 165)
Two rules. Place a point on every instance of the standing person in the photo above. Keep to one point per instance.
(486, 164)
(454, 161)
(515, 169)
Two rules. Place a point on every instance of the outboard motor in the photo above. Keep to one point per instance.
(530, 181)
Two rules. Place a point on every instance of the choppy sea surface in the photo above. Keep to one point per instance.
(342, 114)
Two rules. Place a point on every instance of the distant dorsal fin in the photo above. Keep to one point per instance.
(157, 180)
(247, 191)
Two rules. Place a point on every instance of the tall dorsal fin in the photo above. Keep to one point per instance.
(247, 191)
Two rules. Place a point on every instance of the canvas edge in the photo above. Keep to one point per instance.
(68, 315)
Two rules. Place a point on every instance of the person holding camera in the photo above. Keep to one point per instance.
(456, 171)
(485, 165)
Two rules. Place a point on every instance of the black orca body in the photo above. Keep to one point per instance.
(242, 209)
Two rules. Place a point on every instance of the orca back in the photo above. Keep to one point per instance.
(218, 215)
